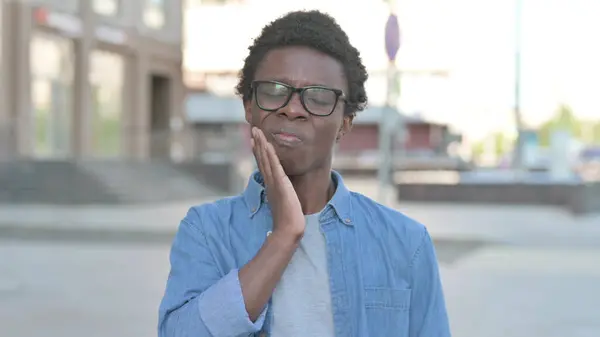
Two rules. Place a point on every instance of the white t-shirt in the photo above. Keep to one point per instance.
(302, 300)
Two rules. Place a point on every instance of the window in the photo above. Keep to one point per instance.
(193, 3)
(106, 79)
(51, 61)
(213, 2)
(197, 3)
(106, 7)
(154, 14)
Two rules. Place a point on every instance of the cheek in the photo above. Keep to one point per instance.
(258, 115)
(326, 136)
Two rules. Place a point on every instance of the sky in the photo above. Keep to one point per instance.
(472, 40)
(560, 53)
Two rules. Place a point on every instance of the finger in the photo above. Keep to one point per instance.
(264, 156)
(253, 148)
(262, 148)
(275, 165)
(256, 150)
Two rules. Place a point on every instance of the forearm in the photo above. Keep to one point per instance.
(218, 311)
(259, 277)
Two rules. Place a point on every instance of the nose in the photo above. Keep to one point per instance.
(294, 109)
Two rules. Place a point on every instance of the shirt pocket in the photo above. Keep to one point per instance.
(387, 311)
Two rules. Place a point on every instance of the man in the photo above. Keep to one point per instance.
(297, 254)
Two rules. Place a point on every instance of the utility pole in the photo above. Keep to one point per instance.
(388, 120)
(518, 149)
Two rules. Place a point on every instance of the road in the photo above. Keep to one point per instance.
(508, 271)
(101, 289)
(71, 289)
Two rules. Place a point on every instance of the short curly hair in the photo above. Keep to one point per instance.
(312, 29)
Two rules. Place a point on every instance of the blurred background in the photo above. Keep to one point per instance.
(117, 116)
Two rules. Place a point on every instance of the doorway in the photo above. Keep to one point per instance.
(160, 103)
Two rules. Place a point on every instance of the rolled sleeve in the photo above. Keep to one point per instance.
(202, 298)
(223, 311)
(428, 316)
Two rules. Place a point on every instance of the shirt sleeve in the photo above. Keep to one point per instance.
(199, 301)
(428, 316)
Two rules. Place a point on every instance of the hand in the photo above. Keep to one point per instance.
(288, 219)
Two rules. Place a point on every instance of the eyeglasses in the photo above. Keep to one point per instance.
(317, 100)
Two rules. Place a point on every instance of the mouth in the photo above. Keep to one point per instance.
(286, 139)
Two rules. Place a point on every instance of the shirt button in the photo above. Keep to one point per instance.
(347, 221)
(269, 233)
(254, 210)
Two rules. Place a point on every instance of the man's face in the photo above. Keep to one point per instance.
(303, 141)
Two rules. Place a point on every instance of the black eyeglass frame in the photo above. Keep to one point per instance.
(339, 95)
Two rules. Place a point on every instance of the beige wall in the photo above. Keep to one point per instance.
(129, 15)
(4, 118)
(146, 52)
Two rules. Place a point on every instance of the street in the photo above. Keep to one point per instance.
(508, 271)
(103, 289)
(525, 292)
(72, 290)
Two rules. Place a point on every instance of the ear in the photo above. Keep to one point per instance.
(248, 111)
(345, 127)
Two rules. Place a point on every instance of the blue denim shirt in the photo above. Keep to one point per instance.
(383, 271)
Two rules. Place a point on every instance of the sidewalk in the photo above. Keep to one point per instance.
(139, 222)
(503, 224)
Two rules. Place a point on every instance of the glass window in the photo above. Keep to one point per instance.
(214, 2)
(51, 61)
(197, 3)
(154, 13)
(106, 80)
(106, 7)
(193, 3)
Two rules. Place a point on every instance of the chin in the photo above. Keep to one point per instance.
(298, 164)
(298, 168)
(292, 169)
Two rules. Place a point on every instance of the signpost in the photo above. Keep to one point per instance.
(392, 37)
(518, 151)
(388, 118)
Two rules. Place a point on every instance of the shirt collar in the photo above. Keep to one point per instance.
(254, 197)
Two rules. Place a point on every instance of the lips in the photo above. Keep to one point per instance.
(286, 138)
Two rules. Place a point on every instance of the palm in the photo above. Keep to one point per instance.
(285, 205)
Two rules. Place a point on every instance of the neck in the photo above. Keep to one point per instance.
(314, 189)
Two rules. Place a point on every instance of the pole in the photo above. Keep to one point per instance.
(388, 116)
(518, 151)
(386, 127)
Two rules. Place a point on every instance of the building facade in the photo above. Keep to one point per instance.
(221, 134)
(90, 79)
